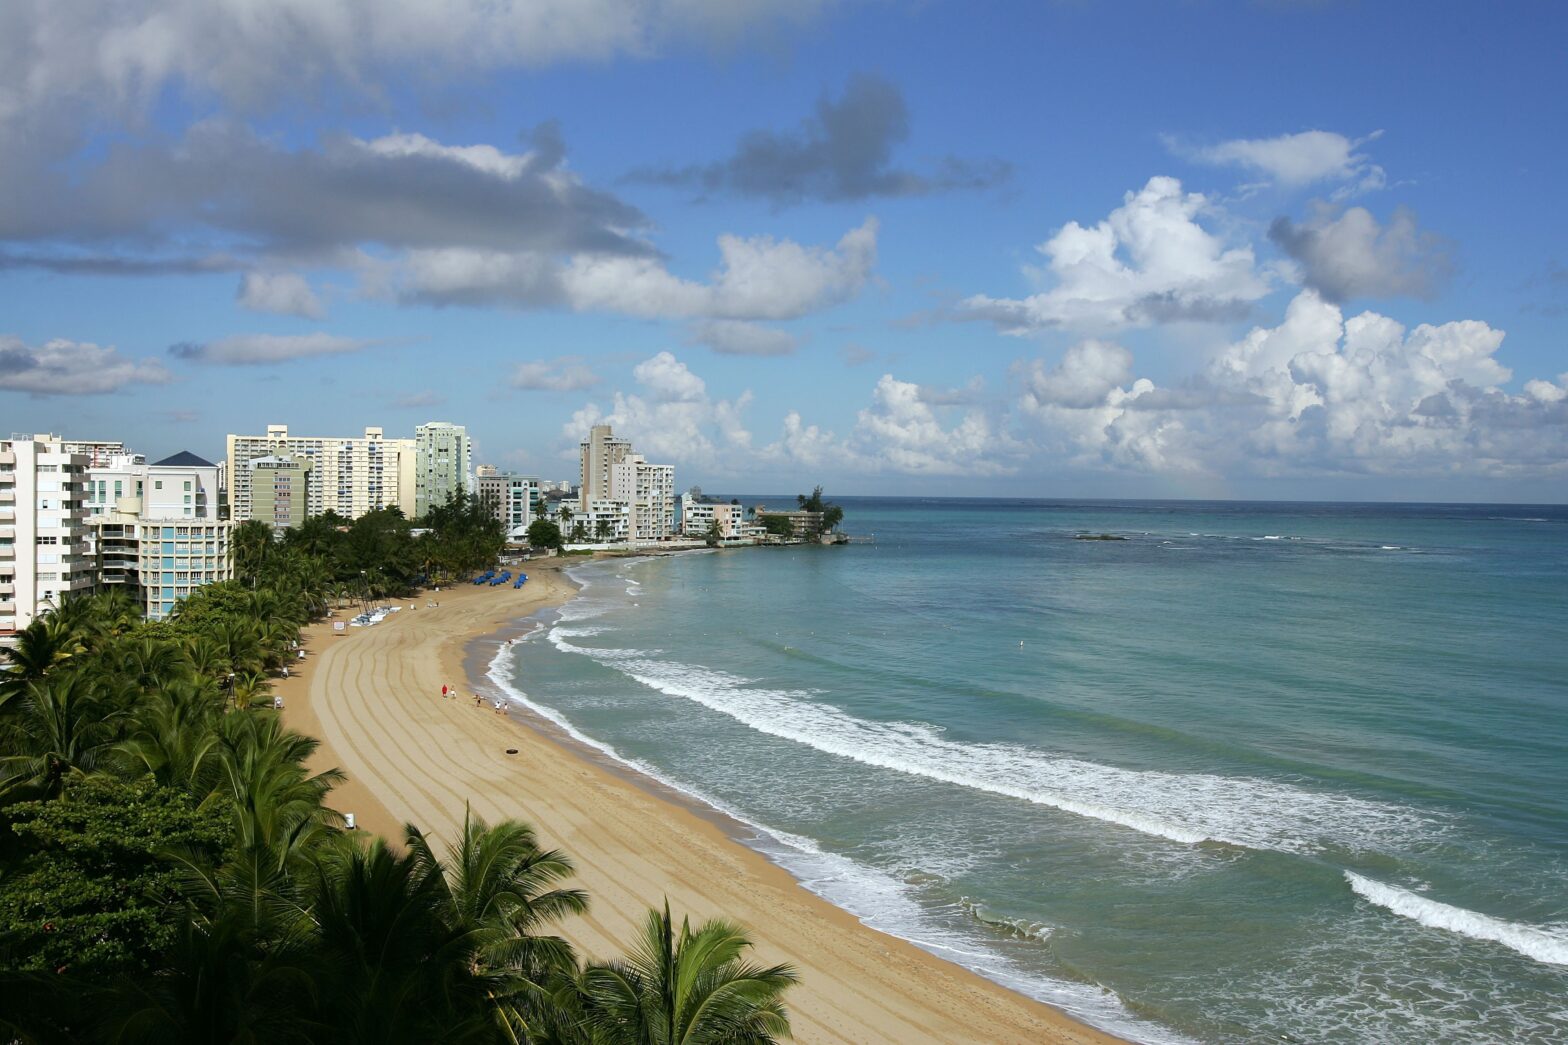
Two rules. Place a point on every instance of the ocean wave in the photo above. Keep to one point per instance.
(1542, 945)
(876, 898)
(1189, 808)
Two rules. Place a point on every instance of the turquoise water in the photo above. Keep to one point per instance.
(1259, 772)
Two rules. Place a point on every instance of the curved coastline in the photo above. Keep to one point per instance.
(373, 697)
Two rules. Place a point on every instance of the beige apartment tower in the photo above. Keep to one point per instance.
(350, 475)
(597, 457)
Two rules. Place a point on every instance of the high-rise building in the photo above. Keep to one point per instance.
(649, 492)
(156, 528)
(513, 499)
(349, 475)
(441, 464)
(279, 490)
(45, 553)
(597, 456)
(612, 475)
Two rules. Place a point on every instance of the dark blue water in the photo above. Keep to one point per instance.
(1257, 772)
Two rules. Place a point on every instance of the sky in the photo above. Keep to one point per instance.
(1176, 248)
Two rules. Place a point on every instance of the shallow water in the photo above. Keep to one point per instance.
(1259, 772)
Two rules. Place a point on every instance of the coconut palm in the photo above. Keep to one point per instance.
(174, 737)
(394, 968)
(277, 801)
(62, 725)
(40, 647)
(501, 889)
(690, 988)
(148, 664)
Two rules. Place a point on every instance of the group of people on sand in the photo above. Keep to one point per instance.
(450, 693)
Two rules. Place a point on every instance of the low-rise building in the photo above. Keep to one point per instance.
(698, 517)
(803, 525)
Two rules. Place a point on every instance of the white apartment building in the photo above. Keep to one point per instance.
(441, 464)
(649, 492)
(45, 553)
(350, 475)
(615, 515)
(597, 457)
(156, 528)
(698, 517)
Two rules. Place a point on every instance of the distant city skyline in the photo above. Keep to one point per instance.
(1264, 250)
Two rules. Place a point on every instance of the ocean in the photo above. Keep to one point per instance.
(1259, 772)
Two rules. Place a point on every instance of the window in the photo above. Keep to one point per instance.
(187, 485)
(157, 484)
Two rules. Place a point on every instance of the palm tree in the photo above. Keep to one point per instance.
(40, 647)
(687, 988)
(602, 529)
(277, 801)
(501, 887)
(149, 664)
(566, 514)
(62, 726)
(391, 967)
(174, 737)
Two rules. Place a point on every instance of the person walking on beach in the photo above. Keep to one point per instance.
(443, 692)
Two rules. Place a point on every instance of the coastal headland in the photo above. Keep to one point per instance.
(373, 697)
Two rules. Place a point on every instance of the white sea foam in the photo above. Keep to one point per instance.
(1183, 807)
(1543, 945)
(879, 900)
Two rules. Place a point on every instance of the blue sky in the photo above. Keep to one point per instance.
(1267, 249)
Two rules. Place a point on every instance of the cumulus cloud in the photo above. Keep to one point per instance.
(1149, 262)
(564, 374)
(734, 337)
(1296, 160)
(1349, 255)
(900, 431)
(759, 278)
(842, 151)
(63, 368)
(672, 418)
(281, 293)
(261, 349)
(1317, 394)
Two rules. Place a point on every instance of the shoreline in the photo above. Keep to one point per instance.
(372, 697)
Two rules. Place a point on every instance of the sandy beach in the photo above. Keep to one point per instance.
(373, 697)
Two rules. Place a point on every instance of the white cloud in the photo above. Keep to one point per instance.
(260, 349)
(759, 278)
(673, 419)
(1148, 262)
(564, 374)
(125, 52)
(1350, 255)
(734, 337)
(61, 368)
(281, 293)
(1296, 160)
(1318, 394)
(901, 432)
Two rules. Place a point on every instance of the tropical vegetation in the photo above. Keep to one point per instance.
(171, 870)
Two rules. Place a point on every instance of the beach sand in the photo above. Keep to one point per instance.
(373, 697)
